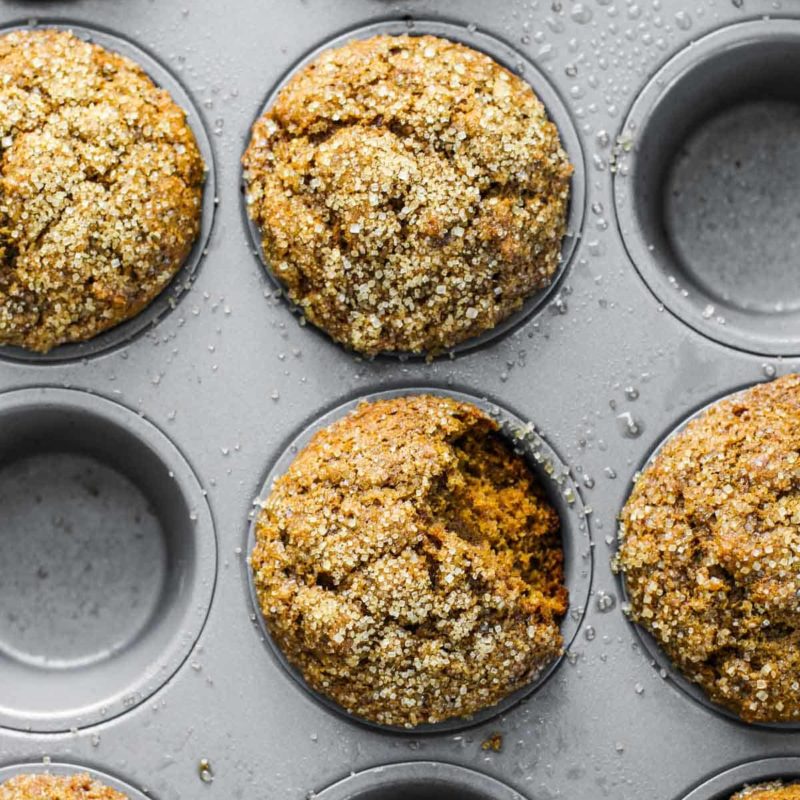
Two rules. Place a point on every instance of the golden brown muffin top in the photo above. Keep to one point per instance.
(100, 189)
(409, 564)
(770, 791)
(710, 550)
(410, 192)
(57, 787)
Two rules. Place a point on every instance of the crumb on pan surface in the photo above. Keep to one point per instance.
(411, 193)
(409, 564)
(57, 787)
(769, 791)
(710, 551)
(100, 189)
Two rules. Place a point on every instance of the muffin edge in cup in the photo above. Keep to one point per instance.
(507, 57)
(652, 646)
(561, 492)
(150, 315)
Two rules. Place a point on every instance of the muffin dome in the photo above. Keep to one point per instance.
(769, 791)
(409, 565)
(100, 189)
(710, 551)
(410, 192)
(57, 787)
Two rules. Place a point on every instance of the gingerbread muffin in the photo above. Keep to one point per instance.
(57, 787)
(710, 551)
(411, 193)
(100, 189)
(409, 564)
(770, 791)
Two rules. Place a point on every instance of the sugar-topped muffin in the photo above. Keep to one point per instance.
(409, 564)
(57, 787)
(100, 189)
(770, 791)
(410, 192)
(710, 551)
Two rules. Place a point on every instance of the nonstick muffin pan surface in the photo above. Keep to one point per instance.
(660, 308)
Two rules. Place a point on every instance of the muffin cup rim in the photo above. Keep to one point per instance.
(457, 776)
(723, 785)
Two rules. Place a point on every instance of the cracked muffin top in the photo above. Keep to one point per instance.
(770, 791)
(411, 193)
(409, 564)
(57, 787)
(100, 189)
(710, 551)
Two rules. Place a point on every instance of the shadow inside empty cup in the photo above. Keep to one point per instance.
(83, 559)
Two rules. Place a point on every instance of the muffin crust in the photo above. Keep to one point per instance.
(57, 787)
(409, 565)
(710, 551)
(100, 189)
(769, 791)
(410, 192)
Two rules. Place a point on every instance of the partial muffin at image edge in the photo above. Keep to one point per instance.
(710, 551)
(409, 565)
(410, 193)
(769, 791)
(57, 787)
(100, 189)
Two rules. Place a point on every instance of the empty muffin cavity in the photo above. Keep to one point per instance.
(107, 559)
(706, 185)
(421, 780)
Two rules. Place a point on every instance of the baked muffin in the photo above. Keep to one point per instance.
(769, 791)
(710, 551)
(100, 189)
(411, 193)
(57, 787)
(409, 564)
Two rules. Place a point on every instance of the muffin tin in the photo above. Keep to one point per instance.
(196, 407)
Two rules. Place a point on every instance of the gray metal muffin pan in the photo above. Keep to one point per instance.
(217, 388)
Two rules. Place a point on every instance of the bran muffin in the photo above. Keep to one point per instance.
(100, 189)
(409, 564)
(710, 551)
(769, 791)
(410, 192)
(57, 787)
